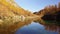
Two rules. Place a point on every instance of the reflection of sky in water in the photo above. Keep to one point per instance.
(34, 28)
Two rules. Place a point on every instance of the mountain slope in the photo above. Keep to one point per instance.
(8, 12)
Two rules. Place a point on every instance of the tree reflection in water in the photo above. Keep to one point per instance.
(50, 27)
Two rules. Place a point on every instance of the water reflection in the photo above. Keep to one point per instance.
(52, 28)
(36, 28)
(11, 29)
(49, 26)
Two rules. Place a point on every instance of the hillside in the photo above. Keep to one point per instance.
(50, 12)
(12, 7)
(10, 15)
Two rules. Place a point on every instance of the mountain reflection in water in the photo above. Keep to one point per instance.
(37, 28)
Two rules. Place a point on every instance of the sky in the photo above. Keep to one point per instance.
(35, 5)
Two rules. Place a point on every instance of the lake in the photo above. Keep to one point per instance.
(37, 28)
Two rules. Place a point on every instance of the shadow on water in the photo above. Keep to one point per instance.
(38, 28)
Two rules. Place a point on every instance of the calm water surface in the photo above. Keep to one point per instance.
(36, 28)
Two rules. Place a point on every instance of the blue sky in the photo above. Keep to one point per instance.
(35, 5)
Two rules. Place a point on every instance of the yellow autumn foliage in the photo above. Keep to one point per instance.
(9, 9)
